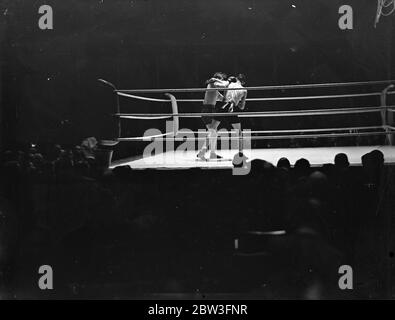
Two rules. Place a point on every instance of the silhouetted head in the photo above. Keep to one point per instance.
(377, 157)
(242, 78)
(341, 160)
(232, 79)
(373, 164)
(302, 166)
(260, 165)
(373, 159)
(365, 159)
(283, 163)
(260, 168)
(220, 75)
(318, 183)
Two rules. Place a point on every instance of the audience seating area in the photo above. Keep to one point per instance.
(282, 231)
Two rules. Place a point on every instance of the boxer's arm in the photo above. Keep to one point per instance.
(211, 81)
(231, 107)
(217, 83)
(242, 103)
(221, 83)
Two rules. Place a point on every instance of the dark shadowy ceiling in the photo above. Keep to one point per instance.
(49, 87)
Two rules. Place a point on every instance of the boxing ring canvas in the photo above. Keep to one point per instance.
(317, 156)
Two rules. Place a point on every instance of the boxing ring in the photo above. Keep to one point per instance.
(171, 157)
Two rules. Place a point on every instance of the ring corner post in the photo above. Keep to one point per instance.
(118, 106)
(387, 116)
(119, 127)
(174, 106)
(106, 148)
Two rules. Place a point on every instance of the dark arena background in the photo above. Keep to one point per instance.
(74, 196)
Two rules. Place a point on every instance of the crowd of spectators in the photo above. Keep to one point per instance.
(281, 231)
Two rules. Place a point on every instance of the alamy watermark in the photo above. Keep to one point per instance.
(164, 150)
(346, 281)
(45, 282)
(45, 21)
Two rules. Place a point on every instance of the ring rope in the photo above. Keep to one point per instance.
(278, 87)
(146, 117)
(263, 132)
(158, 136)
(292, 130)
(254, 114)
(337, 96)
(141, 98)
(291, 136)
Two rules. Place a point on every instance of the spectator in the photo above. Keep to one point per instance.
(284, 163)
(341, 161)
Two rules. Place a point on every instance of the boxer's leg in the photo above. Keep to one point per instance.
(206, 144)
(207, 120)
(213, 139)
(239, 140)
